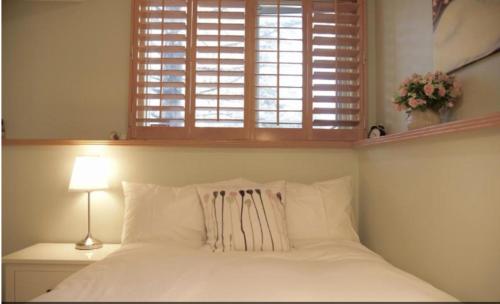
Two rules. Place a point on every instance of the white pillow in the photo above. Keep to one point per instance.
(157, 213)
(320, 211)
(245, 218)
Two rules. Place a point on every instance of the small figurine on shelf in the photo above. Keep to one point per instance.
(114, 135)
(376, 131)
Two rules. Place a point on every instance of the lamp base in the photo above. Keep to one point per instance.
(88, 243)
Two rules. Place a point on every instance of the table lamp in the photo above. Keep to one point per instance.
(89, 174)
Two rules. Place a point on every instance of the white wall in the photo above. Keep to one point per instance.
(403, 46)
(65, 67)
(432, 207)
(36, 206)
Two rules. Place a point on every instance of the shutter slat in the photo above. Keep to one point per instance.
(335, 76)
(220, 84)
(335, 64)
(335, 99)
(331, 29)
(221, 73)
(338, 41)
(162, 49)
(335, 111)
(163, 14)
(222, 61)
(161, 60)
(225, 97)
(335, 123)
(161, 73)
(142, 84)
(155, 3)
(161, 108)
(211, 49)
(225, 3)
(144, 26)
(223, 26)
(221, 38)
(221, 15)
(335, 53)
(156, 37)
(161, 96)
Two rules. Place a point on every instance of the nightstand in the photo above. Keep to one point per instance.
(35, 270)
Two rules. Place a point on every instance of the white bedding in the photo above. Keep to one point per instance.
(327, 271)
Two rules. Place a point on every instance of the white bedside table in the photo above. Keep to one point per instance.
(35, 270)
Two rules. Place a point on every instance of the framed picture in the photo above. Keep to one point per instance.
(465, 31)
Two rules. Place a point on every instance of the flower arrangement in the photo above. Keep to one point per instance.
(435, 91)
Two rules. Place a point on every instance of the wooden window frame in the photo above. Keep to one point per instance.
(249, 133)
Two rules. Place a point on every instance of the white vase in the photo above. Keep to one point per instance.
(419, 119)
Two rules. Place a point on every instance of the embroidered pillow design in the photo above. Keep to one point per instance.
(245, 219)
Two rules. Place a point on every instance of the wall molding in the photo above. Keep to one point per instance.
(487, 121)
(180, 143)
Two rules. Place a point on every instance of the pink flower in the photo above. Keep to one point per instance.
(442, 91)
(450, 104)
(397, 107)
(406, 81)
(413, 103)
(403, 92)
(421, 102)
(429, 76)
(428, 89)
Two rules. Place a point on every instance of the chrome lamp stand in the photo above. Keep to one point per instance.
(88, 243)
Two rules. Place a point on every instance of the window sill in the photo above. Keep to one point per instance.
(487, 121)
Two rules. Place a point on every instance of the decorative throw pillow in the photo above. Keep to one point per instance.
(248, 218)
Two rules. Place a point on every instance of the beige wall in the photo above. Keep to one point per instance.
(36, 206)
(403, 46)
(432, 208)
(65, 68)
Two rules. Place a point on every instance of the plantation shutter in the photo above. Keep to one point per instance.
(336, 69)
(219, 90)
(256, 70)
(159, 68)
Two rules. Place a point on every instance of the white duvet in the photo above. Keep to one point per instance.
(326, 271)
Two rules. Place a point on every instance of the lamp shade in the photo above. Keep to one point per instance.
(89, 173)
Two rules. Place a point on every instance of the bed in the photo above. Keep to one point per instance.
(238, 240)
(319, 271)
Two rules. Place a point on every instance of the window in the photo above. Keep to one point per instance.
(254, 70)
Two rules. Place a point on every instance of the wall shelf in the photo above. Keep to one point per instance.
(487, 121)
(181, 143)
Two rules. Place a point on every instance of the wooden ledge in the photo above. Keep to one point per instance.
(488, 121)
(180, 143)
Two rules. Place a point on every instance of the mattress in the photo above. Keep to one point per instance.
(320, 271)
